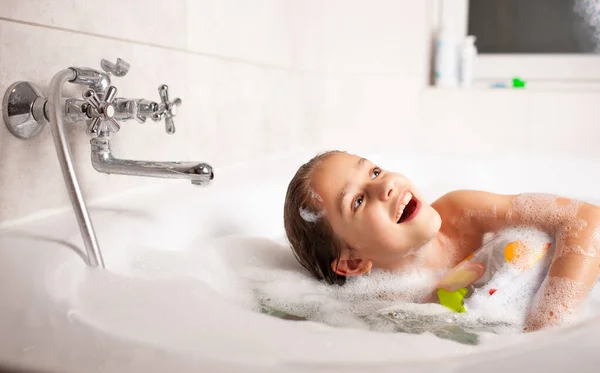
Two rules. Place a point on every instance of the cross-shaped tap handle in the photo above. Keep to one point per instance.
(167, 108)
(101, 112)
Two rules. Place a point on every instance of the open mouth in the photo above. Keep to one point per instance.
(408, 208)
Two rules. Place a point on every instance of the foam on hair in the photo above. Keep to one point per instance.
(311, 217)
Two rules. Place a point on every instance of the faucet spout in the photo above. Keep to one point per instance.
(26, 112)
(104, 161)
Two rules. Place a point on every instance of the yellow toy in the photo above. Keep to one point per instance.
(453, 300)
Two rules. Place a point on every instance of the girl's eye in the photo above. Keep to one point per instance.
(357, 202)
(360, 199)
(376, 171)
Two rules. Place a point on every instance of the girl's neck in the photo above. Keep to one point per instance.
(431, 255)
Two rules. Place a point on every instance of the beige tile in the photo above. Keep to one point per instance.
(382, 36)
(510, 122)
(307, 26)
(157, 22)
(334, 36)
(248, 30)
(365, 113)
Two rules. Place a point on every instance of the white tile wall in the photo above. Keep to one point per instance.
(156, 22)
(252, 30)
(380, 36)
(475, 122)
(366, 113)
(333, 36)
(260, 77)
(232, 109)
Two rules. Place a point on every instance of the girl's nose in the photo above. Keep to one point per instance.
(385, 189)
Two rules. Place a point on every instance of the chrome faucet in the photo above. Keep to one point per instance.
(26, 112)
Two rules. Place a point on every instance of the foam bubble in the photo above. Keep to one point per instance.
(262, 274)
(396, 301)
(554, 211)
(515, 287)
(590, 248)
(359, 297)
(559, 216)
(594, 247)
(557, 302)
(388, 302)
(310, 217)
(384, 301)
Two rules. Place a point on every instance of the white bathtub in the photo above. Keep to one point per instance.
(165, 302)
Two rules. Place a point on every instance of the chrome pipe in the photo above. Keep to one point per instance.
(63, 151)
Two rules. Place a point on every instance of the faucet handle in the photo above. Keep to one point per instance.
(119, 69)
(101, 112)
(167, 108)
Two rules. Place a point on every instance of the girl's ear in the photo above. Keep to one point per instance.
(352, 267)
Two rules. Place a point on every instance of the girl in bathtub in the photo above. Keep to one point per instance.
(344, 215)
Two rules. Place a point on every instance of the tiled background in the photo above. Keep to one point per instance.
(258, 77)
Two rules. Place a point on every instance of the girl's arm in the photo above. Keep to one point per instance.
(574, 225)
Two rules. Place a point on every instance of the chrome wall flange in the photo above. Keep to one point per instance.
(23, 110)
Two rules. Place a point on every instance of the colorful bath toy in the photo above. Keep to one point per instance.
(476, 274)
(453, 299)
(518, 83)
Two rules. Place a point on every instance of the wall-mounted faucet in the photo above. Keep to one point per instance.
(26, 112)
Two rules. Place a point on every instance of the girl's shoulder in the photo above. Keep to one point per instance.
(470, 198)
(479, 205)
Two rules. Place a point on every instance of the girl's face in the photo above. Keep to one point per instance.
(379, 214)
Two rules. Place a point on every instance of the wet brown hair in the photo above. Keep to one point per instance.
(313, 242)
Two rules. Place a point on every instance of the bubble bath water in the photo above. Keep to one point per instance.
(262, 275)
(395, 302)
(202, 274)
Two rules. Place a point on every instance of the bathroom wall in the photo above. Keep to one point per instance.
(245, 91)
(377, 93)
(258, 77)
(375, 64)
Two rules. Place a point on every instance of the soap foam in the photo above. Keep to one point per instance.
(547, 210)
(515, 287)
(559, 216)
(389, 302)
(312, 216)
(557, 302)
(308, 216)
(590, 248)
(261, 274)
(360, 297)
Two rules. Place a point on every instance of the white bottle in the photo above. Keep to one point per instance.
(446, 57)
(468, 55)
